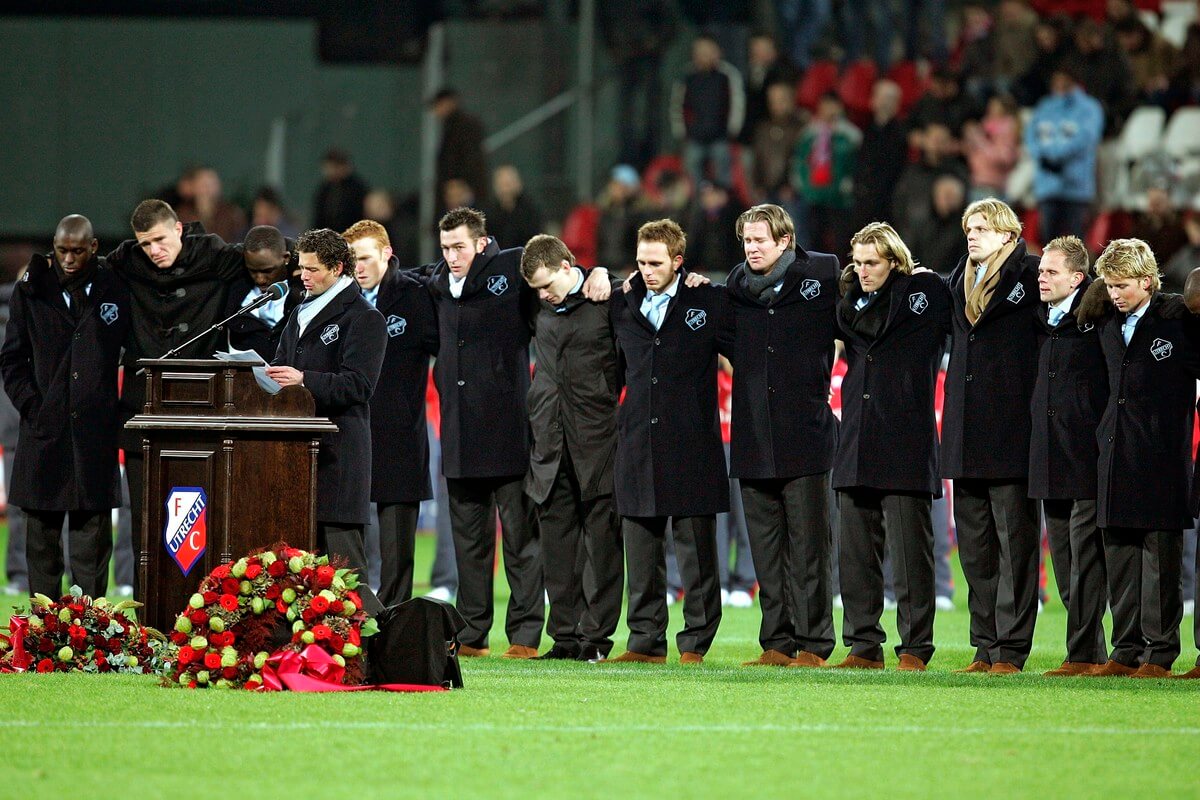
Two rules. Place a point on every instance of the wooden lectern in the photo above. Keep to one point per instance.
(229, 468)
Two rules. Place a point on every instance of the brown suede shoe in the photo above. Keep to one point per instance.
(910, 663)
(1191, 675)
(1071, 669)
(473, 652)
(1004, 668)
(1113, 669)
(519, 651)
(691, 658)
(770, 658)
(858, 662)
(807, 659)
(975, 667)
(1151, 671)
(630, 657)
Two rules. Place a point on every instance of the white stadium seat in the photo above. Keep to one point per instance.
(1182, 135)
(1142, 133)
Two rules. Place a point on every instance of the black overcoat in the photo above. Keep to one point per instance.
(248, 332)
(989, 383)
(482, 368)
(888, 438)
(1145, 434)
(782, 354)
(399, 437)
(341, 354)
(1068, 398)
(573, 398)
(670, 460)
(61, 374)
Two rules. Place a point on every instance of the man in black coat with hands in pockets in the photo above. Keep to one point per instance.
(334, 345)
(69, 317)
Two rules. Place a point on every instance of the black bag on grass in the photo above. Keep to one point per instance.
(417, 643)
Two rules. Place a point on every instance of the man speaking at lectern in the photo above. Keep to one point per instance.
(333, 345)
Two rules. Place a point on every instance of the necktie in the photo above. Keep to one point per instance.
(658, 308)
(1128, 327)
(1056, 315)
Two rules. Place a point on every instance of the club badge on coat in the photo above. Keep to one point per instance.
(330, 334)
(1016, 295)
(810, 289)
(918, 302)
(497, 284)
(396, 325)
(695, 318)
(1161, 349)
(109, 313)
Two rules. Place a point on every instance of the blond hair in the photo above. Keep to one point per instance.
(887, 243)
(665, 231)
(1126, 259)
(998, 215)
(779, 222)
(367, 229)
(1074, 252)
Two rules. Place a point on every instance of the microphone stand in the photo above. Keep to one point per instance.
(259, 301)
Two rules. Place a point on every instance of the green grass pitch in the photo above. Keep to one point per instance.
(719, 730)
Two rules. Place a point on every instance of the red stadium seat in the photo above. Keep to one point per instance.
(912, 83)
(579, 233)
(820, 78)
(854, 88)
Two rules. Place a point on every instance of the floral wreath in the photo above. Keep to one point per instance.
(273, 615)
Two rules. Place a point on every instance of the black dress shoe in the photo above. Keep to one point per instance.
(557, 653)
(590, 653)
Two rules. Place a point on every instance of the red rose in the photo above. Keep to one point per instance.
(231, 585)
(281, 606)
(212, 660)
(252, 684)
(45, 665)
(210, 597)
(114, 645)
(273, 591)
(307, 574)
(99, 641)
(186, 655)
(192, 684)
(319, 604)
(277, 569)
(322, 632)
(179, 638)
(308, 615)
(253, 571)
(50, 622)
(291, 552)
(325, 576)
(355, 636)
(335, 643)
(199, 617)
(229, 673)
(221, 572)
(45, 644)
(354, 598)
(229, 602)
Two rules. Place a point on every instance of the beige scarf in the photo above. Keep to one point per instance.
(978, 295)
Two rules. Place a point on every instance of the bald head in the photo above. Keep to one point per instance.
(74, 243)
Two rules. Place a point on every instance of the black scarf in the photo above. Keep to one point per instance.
(761, 286)
(868, 321)
(75, 284)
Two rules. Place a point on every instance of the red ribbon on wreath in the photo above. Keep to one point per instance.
(314, 670)
(17, 625)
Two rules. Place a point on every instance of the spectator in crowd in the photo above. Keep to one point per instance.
(881, 158)
(460, 154)
(992, 146)
(457, 193)
(708, 106)
(339, 200)
(945, 103)
(710, 232)
(911, 207)
(267, 208)
(1153, 60)
(1104, 72)
(933, 14)
(512, 215)
(977, 50)
(1015, 49)
(672, 198)
(213, 211)
(939, 242)
(1062, 139)
(398, 219)
(854, 19)
(823, 172)
(803, 22)
(1185, 89)
(622, 211)
(1052, 39)
(774, 140)
(1160, 227)
(1186, 258)
(767, 68)
(637, 33)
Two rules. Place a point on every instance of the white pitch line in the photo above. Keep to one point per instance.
(856, 728)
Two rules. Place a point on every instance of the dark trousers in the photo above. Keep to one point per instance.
(1062, 218)
(1077, 548)
(89, 543)
(864, 516)
(696, 550)
(998, 543)
(790, 538)
(347, 541)
(397, 544)
(473, 504)
(581, 562)
(1144, 588)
